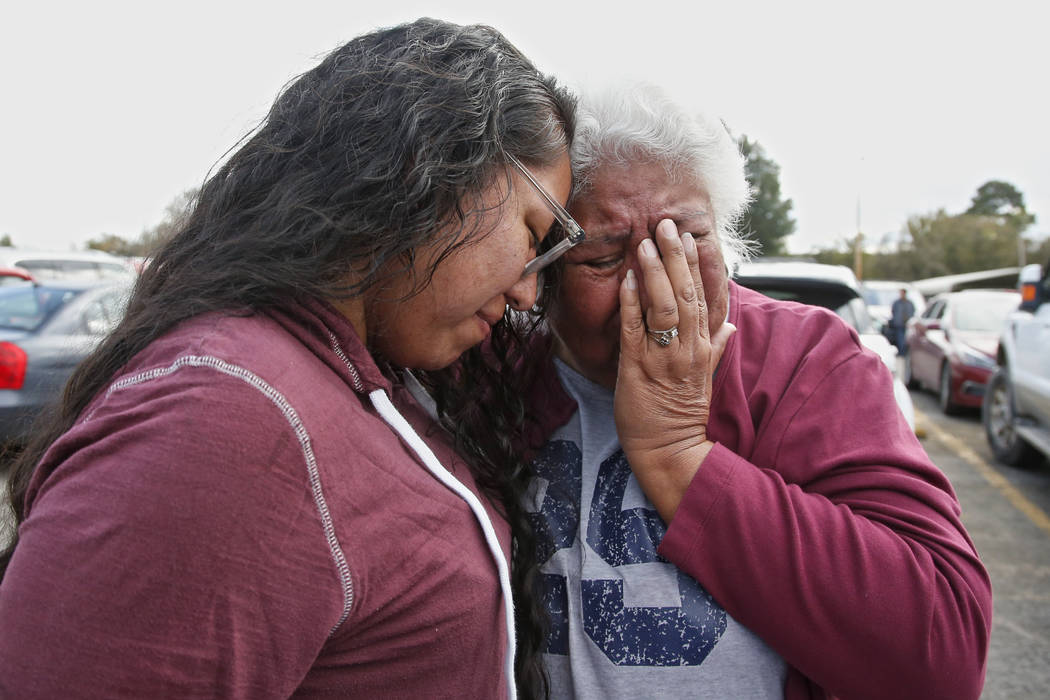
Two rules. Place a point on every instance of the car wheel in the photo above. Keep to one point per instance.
(909, 380)
(944, 392)
(997, 415)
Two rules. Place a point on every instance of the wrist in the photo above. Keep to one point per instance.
(665, 476)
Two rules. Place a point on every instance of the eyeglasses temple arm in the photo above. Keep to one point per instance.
(540, 262)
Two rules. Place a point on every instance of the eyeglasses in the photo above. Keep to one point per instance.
(573, 231)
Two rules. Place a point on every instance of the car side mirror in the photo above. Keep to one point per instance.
(1032, 292)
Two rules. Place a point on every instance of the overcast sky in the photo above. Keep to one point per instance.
(874, 111)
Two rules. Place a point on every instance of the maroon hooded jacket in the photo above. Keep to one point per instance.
(232, 518)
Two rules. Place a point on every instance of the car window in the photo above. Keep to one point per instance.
(28, 307)
(987, 314)
(862, 319)
(880, 297)
(845, 312)
(103, 314)
(95, 320)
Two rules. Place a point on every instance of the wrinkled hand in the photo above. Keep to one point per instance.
(663, 394)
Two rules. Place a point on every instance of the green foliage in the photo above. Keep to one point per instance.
(115, 245)
(949, 245)
(984, 237)
(5, 241)
(1040, 253)
(768, 221)
(997, 198)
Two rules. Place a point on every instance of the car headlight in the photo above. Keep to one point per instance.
(975, 358)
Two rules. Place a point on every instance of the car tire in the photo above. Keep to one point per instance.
(944, 392)
(997, 416)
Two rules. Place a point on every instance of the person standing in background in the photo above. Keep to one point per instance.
(900, 311)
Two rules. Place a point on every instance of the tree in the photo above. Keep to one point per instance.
(152, 238)
(998, 198)
(942, 244)
(5, 241)
(174, 216)
(1004, 203)
(768, 220)
(114, 245)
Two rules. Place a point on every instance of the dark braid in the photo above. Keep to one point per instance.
(490, 427)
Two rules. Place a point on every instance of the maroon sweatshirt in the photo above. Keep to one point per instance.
(231, 518)
(819, 522)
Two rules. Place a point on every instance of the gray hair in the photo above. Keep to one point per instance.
(620, 126)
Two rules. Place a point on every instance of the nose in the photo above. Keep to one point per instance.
(522, 295)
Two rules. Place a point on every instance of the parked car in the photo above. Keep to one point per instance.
(48, 265)
(952, 345)
(46, 329)
(834, 287)
(879, 295)
(1016, 407)
(14, 275)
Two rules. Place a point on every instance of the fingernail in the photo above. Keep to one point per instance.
(666, 227)
(688, 241)
(648, 248)
(632, 283)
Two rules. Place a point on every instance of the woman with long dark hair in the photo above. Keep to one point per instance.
(244, 492)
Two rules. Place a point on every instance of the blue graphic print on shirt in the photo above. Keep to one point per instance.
(681, 635)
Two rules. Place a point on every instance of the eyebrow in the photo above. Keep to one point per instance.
(677, 217)
(694, 213)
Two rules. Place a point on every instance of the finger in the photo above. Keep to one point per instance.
(692, 258)
(683, 281)
(632, 327)
(662, 313)
(719, 341)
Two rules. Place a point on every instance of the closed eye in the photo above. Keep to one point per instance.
(606, 263)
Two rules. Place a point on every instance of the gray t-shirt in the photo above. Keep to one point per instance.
(625, 623)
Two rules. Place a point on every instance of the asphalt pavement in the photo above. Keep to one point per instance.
(1007, 513)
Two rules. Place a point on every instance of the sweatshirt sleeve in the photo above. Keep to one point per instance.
(174, 551)
(842, 547)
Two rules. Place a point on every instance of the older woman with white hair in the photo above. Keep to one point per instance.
(728, 502)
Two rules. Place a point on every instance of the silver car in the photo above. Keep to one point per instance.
(46, 329)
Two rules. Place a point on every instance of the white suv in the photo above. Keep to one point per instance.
(50, 265)
(1016, 408)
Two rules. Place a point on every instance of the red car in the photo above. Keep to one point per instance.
(952, 345)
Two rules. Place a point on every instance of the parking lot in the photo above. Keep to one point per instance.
(1007, 512)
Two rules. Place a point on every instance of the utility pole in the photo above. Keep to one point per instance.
(858, 248)
(858, 256)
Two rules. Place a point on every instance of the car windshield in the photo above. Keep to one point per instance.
(880, 297)
(28, 307)
(987, 314)
(840, 299)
